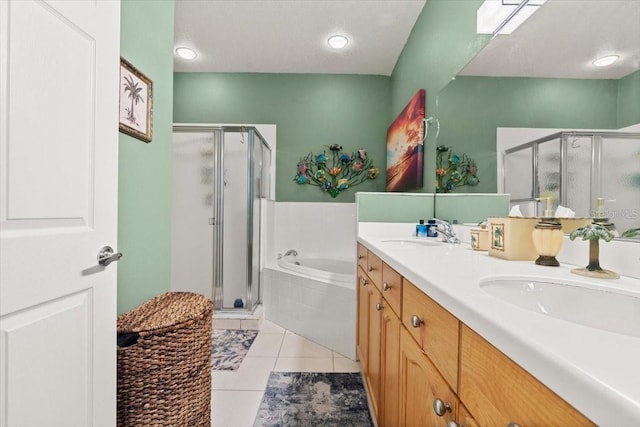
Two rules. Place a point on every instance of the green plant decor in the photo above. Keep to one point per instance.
(454, 170)
(337, 171)
(631, 233)
(593, 233)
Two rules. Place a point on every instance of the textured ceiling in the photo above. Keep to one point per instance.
(290, 36)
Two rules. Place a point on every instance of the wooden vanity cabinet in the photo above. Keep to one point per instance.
(497, 391)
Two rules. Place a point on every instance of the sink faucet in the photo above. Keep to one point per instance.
(291, 252)
(448, 235)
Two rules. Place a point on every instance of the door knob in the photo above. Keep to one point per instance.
(106, 256)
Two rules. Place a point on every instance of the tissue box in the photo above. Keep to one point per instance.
(510, 237)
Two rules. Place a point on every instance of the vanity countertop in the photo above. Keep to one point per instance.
(596, 371)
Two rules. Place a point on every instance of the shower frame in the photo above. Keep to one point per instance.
(217, 220)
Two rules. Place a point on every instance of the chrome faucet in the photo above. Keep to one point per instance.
(291, 252)
(448, 235)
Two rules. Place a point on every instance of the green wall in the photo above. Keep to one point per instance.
(629, 100)
(144, 199)
(471, 108)
(311, 112)
(441, 43)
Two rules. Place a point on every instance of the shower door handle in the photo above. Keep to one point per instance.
(212, 221)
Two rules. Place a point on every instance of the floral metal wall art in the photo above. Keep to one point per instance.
(336, 171)
(454, 170)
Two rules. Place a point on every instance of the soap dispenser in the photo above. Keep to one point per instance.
(600, 217)
(547, 237)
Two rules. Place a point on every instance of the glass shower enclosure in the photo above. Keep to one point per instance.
(575, 169)
(220, 176)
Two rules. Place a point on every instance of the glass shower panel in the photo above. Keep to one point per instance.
(518, 167)
(235, 230)
(620, 181)
(255, 194)
(548, 174)
(578, 175)
(191, 233)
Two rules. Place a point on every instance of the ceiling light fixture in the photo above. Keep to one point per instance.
(186, 53)
(605, 61)
(338, 41)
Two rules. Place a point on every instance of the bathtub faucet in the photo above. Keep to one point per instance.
(291, 252)
(448, 235)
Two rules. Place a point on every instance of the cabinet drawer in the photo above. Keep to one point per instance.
(362, 257)
(439, 330)
(374, 269)
(497, 391)
(392, 288)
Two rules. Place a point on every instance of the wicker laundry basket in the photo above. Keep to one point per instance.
(164, 362)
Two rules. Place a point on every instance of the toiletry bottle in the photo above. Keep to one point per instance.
(432, 228)
(601, 218)
(421, 229)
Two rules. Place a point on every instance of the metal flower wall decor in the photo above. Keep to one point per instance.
(458, 170)
(336, 171)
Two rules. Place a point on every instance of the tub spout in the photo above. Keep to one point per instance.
(291, 252)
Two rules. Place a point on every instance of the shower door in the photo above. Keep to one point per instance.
(218, 175)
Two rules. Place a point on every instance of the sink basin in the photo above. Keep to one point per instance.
(571, 301)
(408, 243)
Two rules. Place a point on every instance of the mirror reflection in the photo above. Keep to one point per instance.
(540, 81)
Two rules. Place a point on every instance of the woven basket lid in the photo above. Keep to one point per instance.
(165, 311)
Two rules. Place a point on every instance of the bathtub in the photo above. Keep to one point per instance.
(333, 271)
(314, 297)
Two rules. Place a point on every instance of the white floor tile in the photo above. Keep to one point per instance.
(343, 364)
(304, 364)
(226, 323)
(266, 345)
(234, 408)
(269, 327)
(297, 346)
(252, 375)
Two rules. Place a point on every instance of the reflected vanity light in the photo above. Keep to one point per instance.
(338, 41)
(504, 16)
(186, 53)
(605, 61)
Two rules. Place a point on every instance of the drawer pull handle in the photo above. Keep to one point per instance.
(386, 286)
(360, 256)
(379, 306)
(454, 424)
(513, 425)
(416, 322)
(370, 268)
(363, 281)
(440, 407)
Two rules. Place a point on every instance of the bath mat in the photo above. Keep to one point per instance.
(314, 399)
(229, 347)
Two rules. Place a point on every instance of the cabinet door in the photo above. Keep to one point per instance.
(362, 339)
(390, 362)
(464, 418)
(373, 377)
(498, 392)
(425, 398)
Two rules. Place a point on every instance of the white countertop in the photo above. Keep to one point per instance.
(596, 371)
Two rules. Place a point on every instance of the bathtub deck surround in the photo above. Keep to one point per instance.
(589, 368)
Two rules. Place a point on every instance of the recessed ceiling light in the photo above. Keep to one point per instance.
(186, 53)
(606, 60)
(338, 41)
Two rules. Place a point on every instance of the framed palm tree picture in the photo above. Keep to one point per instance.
(136, 102)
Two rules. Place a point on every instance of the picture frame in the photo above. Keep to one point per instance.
(136, 102)
(405, 146)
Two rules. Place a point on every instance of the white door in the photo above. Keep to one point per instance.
(59, 67)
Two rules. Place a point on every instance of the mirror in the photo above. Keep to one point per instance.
(541, 80)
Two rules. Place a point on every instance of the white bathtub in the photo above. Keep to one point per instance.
(315, 298)
(338, 272)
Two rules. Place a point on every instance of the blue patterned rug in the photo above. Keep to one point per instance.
(314, 399)
(229, 347)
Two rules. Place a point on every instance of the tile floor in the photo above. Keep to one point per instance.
(236, 395)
